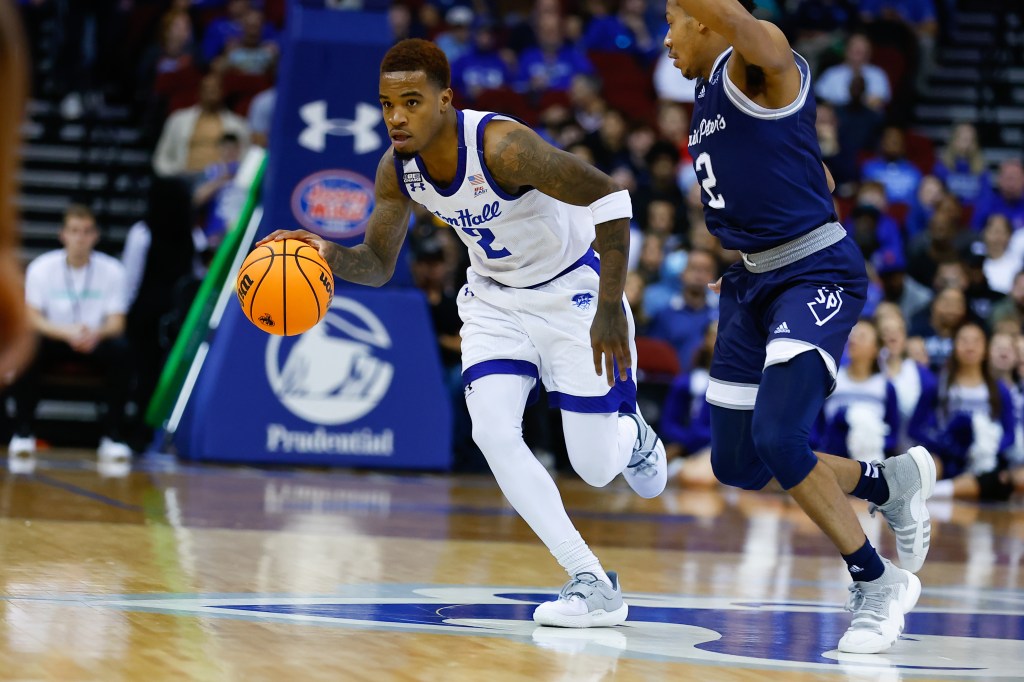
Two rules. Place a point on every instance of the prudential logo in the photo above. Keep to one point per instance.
(333, 374)
(361, 128)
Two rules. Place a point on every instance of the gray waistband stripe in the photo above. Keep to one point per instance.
(790, 252)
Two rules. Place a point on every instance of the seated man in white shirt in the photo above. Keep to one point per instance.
(834, 83)
(77, 299)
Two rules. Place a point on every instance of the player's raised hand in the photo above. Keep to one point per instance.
(314, 240)
(609, 338)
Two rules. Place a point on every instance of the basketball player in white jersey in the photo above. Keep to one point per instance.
(539, 305)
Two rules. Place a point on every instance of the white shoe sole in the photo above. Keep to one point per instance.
(909, 601)
(594, 619)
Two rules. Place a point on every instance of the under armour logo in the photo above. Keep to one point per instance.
(314, 137)
(417, 186)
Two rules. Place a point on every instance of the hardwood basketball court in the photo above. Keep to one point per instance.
(209, 573)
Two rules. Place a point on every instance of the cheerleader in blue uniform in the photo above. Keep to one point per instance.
(967, 423)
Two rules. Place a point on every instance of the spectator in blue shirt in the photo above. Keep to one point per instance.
(456, 41)
(685, 320)
(1007, 197)
(961, 165)
(622, 32)
(553, 63)
(482, 67)
(892, 169)
(222, 31)
(216, 195)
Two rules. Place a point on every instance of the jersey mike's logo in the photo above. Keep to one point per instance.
(361, 128)
(333, 203)
(334, 373)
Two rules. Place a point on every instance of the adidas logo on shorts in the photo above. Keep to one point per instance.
(781, 329)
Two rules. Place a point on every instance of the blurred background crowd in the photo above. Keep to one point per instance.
(920, 119)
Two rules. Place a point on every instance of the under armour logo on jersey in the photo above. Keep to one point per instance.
(826, 300)
(415, 182)
(781, 329)
(361, 128)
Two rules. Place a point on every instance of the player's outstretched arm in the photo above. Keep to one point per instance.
(518, 157)
(373, 261)
(760, 43)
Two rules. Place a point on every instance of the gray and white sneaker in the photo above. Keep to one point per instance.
(911, 480)
(586, 601)
(647, 471)
(879, 608)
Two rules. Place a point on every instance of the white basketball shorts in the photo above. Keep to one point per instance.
(542, 332)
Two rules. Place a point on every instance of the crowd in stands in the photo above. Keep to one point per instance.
(939, 357)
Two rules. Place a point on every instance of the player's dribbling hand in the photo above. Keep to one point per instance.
(314, 240)
(716, 286)
(609, 338)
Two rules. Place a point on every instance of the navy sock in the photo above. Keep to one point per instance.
(871, 486)
(864, 564)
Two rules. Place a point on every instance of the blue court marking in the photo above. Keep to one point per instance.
(83, 492)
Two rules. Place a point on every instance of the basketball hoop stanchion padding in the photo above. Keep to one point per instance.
(196, 326)
(363, 387)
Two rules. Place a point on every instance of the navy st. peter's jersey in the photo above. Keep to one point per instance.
(760, 169)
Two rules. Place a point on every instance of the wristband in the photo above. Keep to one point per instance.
(612, 207)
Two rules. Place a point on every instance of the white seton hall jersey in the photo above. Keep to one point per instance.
(518, 240)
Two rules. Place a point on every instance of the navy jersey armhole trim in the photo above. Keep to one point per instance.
(481, 127)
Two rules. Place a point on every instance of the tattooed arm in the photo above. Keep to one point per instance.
(373, 261)
(517, 157)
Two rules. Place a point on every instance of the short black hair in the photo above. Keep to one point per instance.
(416, 54)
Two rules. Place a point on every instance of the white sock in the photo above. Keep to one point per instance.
(943, 488)
(575, 557)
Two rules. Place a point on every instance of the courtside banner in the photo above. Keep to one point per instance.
(364, 386)
(328, 134)
(361, 388)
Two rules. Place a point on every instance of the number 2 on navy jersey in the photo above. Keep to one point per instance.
(703, 162)
(485, 238)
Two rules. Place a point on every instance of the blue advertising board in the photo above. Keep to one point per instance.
(364, 387)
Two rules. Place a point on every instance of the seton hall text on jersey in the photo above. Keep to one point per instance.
(466, 218)
(706, 129)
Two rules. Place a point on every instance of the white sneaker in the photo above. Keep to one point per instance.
(879, 608)
(21, 455)
(113, 451)
(911, 481)
(586, 601)
(647, 471)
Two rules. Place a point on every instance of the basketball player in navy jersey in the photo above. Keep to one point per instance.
(538, 306)
(788, 307)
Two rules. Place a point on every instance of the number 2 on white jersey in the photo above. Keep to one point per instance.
(704, 163)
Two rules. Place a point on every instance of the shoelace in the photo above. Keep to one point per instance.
(647, 464)
(873, 602)
(567, 590)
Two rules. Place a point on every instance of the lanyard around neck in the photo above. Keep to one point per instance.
(77, 296)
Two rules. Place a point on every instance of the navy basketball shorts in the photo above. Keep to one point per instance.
(769, 318)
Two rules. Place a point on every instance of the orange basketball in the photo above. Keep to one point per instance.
(285, 287)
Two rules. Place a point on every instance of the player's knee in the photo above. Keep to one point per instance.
(597, 474)
(729, 472)
(783, 448)
(494, 439)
